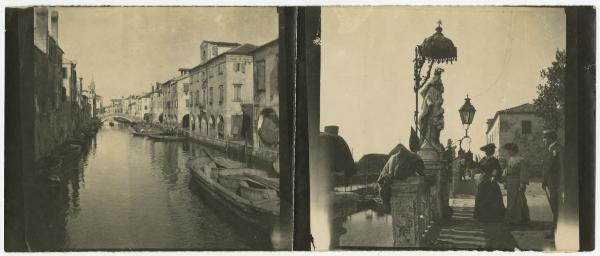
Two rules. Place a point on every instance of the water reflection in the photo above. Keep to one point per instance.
(369, 227)
(128, 193)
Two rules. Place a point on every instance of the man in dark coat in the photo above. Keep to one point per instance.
(401, 165)
(552, 175)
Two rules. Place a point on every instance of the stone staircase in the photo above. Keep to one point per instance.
(463, 232)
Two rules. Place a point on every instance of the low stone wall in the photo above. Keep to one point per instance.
(237, 150)
(411, 207)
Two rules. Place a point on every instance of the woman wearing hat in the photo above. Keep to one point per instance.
(489, 206)
(517, 179)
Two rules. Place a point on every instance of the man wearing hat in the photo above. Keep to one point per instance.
(552, 175)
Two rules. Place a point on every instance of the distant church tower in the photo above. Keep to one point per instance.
(92, 88)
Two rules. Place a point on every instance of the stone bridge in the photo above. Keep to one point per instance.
(127, 117)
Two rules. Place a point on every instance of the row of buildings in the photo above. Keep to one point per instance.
(230, 96)
(62, 107)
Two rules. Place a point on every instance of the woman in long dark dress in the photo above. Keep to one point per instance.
(489, 206)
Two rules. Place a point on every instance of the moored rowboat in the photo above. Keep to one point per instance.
(166, 137)
(146, 133)
(247, 193)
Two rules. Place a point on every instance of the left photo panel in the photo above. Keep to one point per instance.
(145, 128)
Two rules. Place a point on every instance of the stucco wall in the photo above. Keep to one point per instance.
(530, 145)
(269, 97)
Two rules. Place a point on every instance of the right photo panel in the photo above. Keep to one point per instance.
(442, 128)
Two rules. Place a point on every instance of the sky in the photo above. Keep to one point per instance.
(367, 68)
(128, 49)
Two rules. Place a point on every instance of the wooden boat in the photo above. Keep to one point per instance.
(146, 133)
(166, 137)
(247, 193)
(77, 141)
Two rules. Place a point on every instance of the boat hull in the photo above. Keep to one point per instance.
(260, 221)
(166, 138)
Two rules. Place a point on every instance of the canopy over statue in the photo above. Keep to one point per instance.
(431, 118)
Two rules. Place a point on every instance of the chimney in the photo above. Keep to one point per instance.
(332, 129)
(54, 25)
(41, 29)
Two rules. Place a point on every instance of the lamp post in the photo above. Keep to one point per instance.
(435, 49)
(467, 113)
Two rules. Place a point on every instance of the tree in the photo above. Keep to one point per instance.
(551, 95)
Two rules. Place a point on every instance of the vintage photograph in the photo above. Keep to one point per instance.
(298, 128)
(154, 128)
(442, 128)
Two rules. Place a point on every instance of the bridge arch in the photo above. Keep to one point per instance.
(118, 115)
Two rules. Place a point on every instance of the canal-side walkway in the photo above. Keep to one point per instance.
(462, 231)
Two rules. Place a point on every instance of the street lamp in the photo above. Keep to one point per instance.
(467, 112)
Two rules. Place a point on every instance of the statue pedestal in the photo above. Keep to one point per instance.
(411, 212)
(435, 166)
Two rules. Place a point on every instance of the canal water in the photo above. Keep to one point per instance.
(367, 228)
(129, 193)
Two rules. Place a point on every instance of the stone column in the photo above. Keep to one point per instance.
(411, 212)
(435, 166)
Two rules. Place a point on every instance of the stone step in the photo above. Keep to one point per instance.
(462, 244)
(474, 230)
(462, 237)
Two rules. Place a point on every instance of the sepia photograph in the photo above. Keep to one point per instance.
(442, 129)
(323, 126)
(154, 128)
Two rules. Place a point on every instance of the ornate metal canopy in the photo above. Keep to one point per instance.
(438, 48)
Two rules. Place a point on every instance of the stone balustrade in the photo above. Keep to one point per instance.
(412, 211)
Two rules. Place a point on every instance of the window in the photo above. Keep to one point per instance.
(210, 96)
(221, 93)
(210, 72)
(240, 67)
(237, 92)
(214, 51)
(221, 68)
(197, 101)
(187, 103)
(64, 73)
(260, 75)
(204, 95)
(526, 127)
(203, 54)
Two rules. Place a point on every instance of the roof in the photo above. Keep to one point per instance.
(243, 49)
(523, 108)
(372, 162)
(526, 108)
(336, 150)
(274, 41)
(222, 43)
(240, 50)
